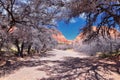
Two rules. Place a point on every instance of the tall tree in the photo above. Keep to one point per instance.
(30, 12)
(27, 16)
(108, 11)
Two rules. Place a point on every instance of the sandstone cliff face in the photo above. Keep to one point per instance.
(59, 37)
(112, 32)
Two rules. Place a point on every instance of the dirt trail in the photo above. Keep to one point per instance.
(65, 65)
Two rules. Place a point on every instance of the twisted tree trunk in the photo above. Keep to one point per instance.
(18, 48)
(29, 49)
(22, 47)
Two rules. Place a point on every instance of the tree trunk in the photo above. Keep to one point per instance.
(29, 48)
(22, 47)
(18, 48)
(111, 48)
(44, 49)
(1, 45)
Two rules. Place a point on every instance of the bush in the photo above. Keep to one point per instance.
(98, 45)
(109, 55)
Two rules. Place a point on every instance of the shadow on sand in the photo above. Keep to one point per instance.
(10, 67)
(81, 69)
(69, 69)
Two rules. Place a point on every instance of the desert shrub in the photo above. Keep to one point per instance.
(109, 55)
(98, 45)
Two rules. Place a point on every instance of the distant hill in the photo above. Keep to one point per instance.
(59, 37)
(112, 32)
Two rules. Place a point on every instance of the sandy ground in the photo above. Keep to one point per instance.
(60, 55)
(54, 69)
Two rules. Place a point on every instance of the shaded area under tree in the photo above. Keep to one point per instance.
(70, 68)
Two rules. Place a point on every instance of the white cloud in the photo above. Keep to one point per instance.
(72, 20)
(83, 16)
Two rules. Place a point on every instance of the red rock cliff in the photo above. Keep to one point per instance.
(57, 35)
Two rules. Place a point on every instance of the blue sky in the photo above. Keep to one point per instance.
(72, 28)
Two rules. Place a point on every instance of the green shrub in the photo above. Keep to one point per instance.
(108, 55)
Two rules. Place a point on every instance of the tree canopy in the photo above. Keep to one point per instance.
(23, 24)
(29, 12)
(31, 16)
(107, 11)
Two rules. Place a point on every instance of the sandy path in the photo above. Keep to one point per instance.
(60, 55)
(31, 73)
(56, 67)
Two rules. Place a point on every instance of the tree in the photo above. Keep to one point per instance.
(19, 36)
(3, 36)
(43, 40)
(29, 12)
(99, 44)
(106, 10)
(28, 16)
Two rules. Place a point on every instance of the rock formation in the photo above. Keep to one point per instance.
(59, 37)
